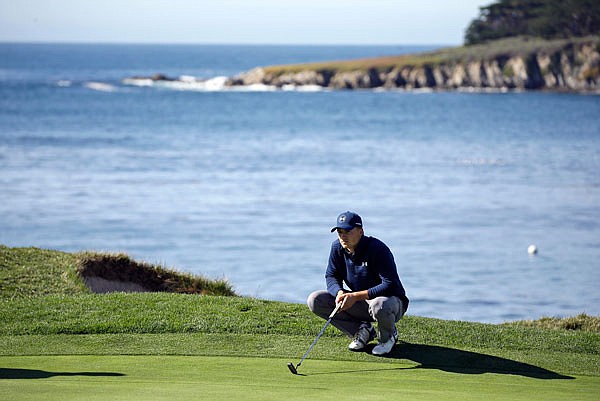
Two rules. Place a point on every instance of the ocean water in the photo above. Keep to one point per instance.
(245, 184)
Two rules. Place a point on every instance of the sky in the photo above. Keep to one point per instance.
(393, 22)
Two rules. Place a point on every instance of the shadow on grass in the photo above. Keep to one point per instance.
(466, 362)
(8, 373)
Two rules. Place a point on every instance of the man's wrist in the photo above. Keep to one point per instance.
(362, 295)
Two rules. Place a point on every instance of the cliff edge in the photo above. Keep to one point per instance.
(570, 65)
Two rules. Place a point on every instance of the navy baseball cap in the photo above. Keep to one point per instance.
(347, 221)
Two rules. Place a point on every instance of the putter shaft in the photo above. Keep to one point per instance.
(294, 369)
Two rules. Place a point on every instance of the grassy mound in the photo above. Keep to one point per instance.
(27, 272)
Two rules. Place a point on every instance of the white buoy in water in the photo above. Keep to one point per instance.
(532, 249)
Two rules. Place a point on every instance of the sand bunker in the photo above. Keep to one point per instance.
(104, 273)
(101, 285)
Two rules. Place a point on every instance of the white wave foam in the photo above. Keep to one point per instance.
(138, 81)
(216, 84)
(63, 83)
(188, 78)
(255, 88)
(183, 83)
(100, 86)
(302, 88)
(193, 84)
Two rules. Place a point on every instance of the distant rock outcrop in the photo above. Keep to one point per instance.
(572, 67)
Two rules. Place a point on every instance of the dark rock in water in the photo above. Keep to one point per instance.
(161, 77)
(154, 77)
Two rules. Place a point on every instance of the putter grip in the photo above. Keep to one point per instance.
(337, 307)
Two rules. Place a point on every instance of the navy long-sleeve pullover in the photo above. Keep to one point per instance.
(371, 268)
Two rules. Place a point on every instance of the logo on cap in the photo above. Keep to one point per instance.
(342, 218)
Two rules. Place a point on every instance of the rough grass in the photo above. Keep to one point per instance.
(581, 322)
(27, 272)
(180, 313)
(507, 47)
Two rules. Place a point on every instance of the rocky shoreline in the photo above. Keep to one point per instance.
(574, 68)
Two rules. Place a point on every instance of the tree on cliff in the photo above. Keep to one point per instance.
(542, 18)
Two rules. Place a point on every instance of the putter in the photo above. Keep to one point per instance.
(290, 365)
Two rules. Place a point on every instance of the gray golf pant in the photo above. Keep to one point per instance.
(386, 311)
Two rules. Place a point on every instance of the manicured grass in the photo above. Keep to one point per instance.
(234, 378)
(530, 363)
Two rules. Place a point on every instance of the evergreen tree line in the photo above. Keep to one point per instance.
(547, 19)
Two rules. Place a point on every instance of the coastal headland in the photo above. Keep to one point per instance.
(521, 63)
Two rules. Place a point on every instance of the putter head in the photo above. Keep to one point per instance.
(292, 368)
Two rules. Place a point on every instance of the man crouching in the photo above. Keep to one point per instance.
(366, 265)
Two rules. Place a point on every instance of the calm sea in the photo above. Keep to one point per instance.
(245, 184)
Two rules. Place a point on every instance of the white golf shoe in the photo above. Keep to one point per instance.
(362, 338)
(385, 347)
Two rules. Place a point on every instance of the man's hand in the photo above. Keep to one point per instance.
(348, 299)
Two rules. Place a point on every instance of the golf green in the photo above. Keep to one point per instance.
(157, 378)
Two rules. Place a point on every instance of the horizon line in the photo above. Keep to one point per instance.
(75, 42)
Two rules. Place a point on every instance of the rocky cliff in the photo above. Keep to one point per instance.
(570, 66)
